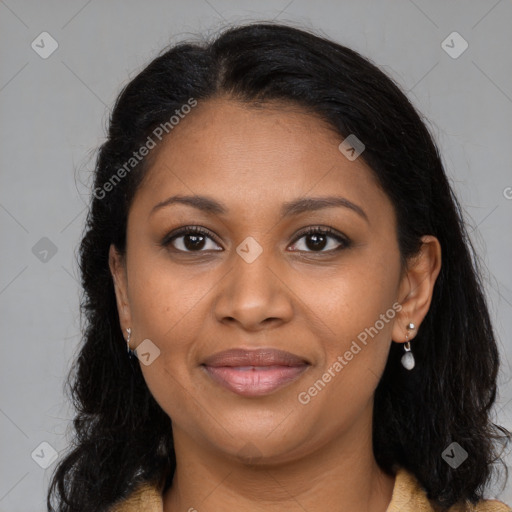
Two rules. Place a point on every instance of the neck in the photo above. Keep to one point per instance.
(341, 474)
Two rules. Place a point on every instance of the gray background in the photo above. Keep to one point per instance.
(53, 116)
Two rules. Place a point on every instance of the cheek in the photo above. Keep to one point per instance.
(165, 300)
(169, 307)
(352, 299)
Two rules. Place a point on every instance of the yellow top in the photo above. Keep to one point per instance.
(408, 496)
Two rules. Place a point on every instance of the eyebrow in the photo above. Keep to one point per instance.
(302, 205)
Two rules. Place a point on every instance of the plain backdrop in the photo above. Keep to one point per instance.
(53, 116)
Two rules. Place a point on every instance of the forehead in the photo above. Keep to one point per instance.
(252, 155)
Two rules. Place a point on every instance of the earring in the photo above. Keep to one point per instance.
(408, 358)
(130, 351)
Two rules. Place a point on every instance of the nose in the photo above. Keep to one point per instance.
(254, 295)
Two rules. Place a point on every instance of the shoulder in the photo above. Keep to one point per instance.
(409, 495)
(482, 506)
(145, 498)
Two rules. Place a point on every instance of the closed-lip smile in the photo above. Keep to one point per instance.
(254, 372)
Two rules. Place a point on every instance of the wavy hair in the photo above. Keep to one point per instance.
(122, 437)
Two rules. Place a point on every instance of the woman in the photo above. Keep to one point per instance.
(273, 231)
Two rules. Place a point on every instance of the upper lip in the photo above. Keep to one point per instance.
(254, 357)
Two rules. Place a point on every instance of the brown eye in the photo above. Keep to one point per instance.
(191, 239)
(321, 240)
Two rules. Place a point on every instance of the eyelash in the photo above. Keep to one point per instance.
(198, 230)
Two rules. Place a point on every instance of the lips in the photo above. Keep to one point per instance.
(254, 373)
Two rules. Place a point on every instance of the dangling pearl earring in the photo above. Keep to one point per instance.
(408, 358)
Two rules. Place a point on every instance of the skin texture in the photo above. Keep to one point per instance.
(270, 452)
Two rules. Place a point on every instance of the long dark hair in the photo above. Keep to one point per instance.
(122, 437)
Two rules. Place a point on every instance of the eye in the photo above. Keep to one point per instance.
(317, 239)
(190, 239)
(195, 239)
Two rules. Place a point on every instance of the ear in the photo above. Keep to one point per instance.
(117, 266)
(416, 288)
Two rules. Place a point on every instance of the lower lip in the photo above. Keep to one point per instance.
(254, 380)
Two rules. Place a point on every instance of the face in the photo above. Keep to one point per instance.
(255, 278)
